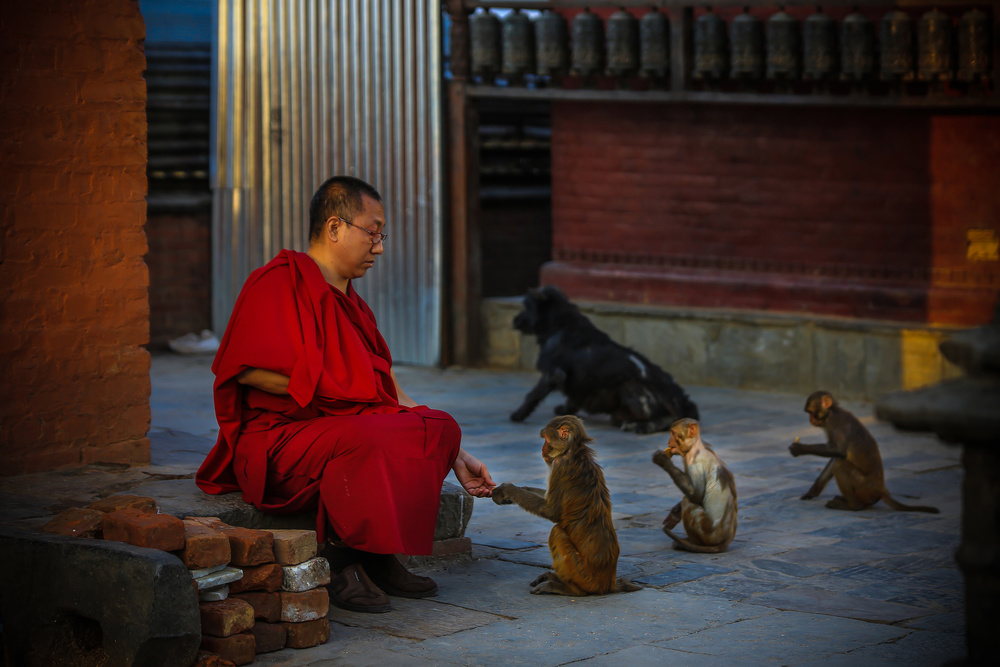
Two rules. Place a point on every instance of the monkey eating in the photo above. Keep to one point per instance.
(583, 542)
(708, 508)
(854, 459)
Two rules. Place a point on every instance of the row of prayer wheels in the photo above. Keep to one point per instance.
(780, 48)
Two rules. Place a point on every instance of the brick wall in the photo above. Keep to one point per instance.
(73, 283)
(853, 212)
(179, 259)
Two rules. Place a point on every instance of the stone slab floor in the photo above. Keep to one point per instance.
(801, 584)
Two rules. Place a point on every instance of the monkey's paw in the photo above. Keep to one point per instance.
(795, 448)
(808, 495)
(501, 494)
(519, 415)
(660, 457)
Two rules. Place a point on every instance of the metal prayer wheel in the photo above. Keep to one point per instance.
(896, 46)
(654, 44)
(622, 51)
(934, 46)
(587, 41)
(484, 35)
(746, 46)
(857, 47)
(518, 44)
(819, 46)
(973, 45)
(709, 47)
(782, 46)
(551, 44)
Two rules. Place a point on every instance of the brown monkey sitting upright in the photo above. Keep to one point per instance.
(708, 508)
(583, 541)
(854, 459)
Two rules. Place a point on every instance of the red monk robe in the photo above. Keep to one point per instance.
(339, 440)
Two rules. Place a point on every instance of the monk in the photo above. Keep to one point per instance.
(312, 418)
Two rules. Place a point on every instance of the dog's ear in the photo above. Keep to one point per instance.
(537, 293)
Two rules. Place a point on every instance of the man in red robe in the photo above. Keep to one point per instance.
(311, 416)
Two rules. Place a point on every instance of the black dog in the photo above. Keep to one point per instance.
(595, 373)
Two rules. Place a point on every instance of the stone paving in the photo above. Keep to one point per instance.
(801, 584)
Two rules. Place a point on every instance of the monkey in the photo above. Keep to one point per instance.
(854, 459)
(708, 508)
(583, 542)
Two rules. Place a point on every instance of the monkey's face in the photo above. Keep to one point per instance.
(554, 445)
(677, 444)
(817, 413)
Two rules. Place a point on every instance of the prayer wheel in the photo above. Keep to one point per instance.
(654, 44)
(587, 42)
(819, 47)
(709, 47)
(896, 46)
(484, 34)
(622, 44)
(857, 48)
(746, 40)
(974, 46)
(551, 44)
(782, 46)
(518, 45)
(934, 46)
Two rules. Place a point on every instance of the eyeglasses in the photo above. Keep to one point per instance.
(377, 237)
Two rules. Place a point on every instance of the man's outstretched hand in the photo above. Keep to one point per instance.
(472, 474)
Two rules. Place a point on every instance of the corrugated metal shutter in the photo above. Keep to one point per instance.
(306, 89)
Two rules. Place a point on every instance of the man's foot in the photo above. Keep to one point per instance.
(351, 589)
(389, 574)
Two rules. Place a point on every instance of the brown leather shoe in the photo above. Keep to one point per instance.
(389, 574)
(351, 589)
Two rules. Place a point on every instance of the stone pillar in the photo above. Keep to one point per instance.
(966, 412)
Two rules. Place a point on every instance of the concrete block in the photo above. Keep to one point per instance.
(204, 546)
(307, 634)
(202, 571)
(154, 531)
(214, 594)
(154, 620)
(304, 606)
(76, 522)
(266, 577)
(227, 575)
(225, 617)
(239, 649)
(269, 636)
(454, 512)
(124, 502)
(292, 547)
(304, 576)
(266, 606)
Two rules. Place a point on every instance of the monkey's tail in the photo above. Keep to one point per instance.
(623, 585)
(697, 548)
(896, 505)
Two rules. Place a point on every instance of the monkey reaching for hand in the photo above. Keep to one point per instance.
(583, 542)
(708, 508)
(854, 459)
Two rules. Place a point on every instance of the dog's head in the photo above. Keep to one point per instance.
(544, 307)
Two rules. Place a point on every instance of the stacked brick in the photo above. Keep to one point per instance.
(259, 590)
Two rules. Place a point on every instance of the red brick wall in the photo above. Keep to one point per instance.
(180, 274)
(854, 212)
(72, 279)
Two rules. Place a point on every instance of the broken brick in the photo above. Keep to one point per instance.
(269, 636)
(208, 659)
(308, 634)
(76, 522)
(305, 576)
(239, 649)
(266, 606)
(203, 547)
(292, 547)
(135, 526)
(225, 617)
(259, 578)
(305, 606)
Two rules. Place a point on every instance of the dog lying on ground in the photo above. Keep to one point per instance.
(595, 373)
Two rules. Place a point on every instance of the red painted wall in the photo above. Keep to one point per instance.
(854, 212)
(73, 300)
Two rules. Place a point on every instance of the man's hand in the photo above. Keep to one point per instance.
(472, 474)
